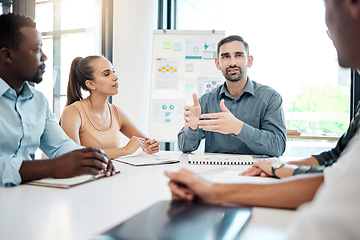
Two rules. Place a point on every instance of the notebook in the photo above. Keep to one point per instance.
(66, 182)
(145, 159)
(182, 220)
(221, 159)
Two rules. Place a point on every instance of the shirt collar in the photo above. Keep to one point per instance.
(249, 88)
(27, 92)
(3, 87)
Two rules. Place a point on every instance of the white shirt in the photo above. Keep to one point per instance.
(334, 212)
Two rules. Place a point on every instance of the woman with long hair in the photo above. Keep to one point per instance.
(93, 121)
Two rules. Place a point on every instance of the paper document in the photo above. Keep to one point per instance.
(65, 182)
(145, 159)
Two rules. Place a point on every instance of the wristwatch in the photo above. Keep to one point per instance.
(276, 165)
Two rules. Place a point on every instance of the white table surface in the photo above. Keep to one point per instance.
(81, 212)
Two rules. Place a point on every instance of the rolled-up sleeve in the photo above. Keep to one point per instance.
(11, 176)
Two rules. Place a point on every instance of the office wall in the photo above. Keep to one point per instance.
(134, 22)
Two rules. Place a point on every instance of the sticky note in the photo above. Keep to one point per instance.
(177, 46)
(189, 67)
(189, 87)
(167, 44)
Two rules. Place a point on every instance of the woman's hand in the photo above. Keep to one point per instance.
(150, 146)
(133, 145)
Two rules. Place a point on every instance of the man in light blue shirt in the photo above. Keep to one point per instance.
(26, 122)
(240, 116)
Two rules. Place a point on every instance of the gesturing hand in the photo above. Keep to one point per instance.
(83, 161)
(222, 122)
(192, 113)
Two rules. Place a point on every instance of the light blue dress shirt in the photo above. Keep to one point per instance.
(258, 106)
(26, 123)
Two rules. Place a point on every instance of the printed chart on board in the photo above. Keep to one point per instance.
(183, 63)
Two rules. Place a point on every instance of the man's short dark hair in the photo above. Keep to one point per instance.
(233, 38)
(10, 24)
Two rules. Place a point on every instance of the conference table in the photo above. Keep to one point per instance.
(86, 210)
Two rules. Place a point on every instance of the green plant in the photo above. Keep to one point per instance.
(320, 99)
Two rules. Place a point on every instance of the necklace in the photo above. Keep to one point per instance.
(93, 115)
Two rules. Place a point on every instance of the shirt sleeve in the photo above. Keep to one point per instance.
(54, 141)
(308, 169)
(189, 140)
(11, 176)
(328, 158)
(270, 138)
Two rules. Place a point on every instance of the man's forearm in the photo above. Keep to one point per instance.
(34, 170)
(263, 141)
(288, 193)
(292, 167)
(311, 161)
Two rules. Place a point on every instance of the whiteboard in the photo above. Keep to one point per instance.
(183, 62)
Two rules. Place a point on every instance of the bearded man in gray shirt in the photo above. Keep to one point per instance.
(240, 116)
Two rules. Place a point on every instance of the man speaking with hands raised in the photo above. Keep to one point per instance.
(240, 116)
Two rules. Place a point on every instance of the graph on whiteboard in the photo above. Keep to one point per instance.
(168, 110)
(167, 74)
(206, 84)
(200, 48)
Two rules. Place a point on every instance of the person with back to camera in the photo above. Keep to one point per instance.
(334, 211)
(93, 121)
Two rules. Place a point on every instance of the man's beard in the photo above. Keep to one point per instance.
(233, 77)
(38, 76)
(36, 79)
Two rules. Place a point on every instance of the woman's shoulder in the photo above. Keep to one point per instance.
(80, 106)
(70, 114)
(115, 108)
(116, 113)
(79, 103)
(75, 108)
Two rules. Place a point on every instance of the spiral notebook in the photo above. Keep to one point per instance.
(221, 159)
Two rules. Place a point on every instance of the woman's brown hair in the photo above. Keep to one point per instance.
(80, 71)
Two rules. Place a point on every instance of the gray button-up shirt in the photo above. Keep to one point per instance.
(258, 106)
